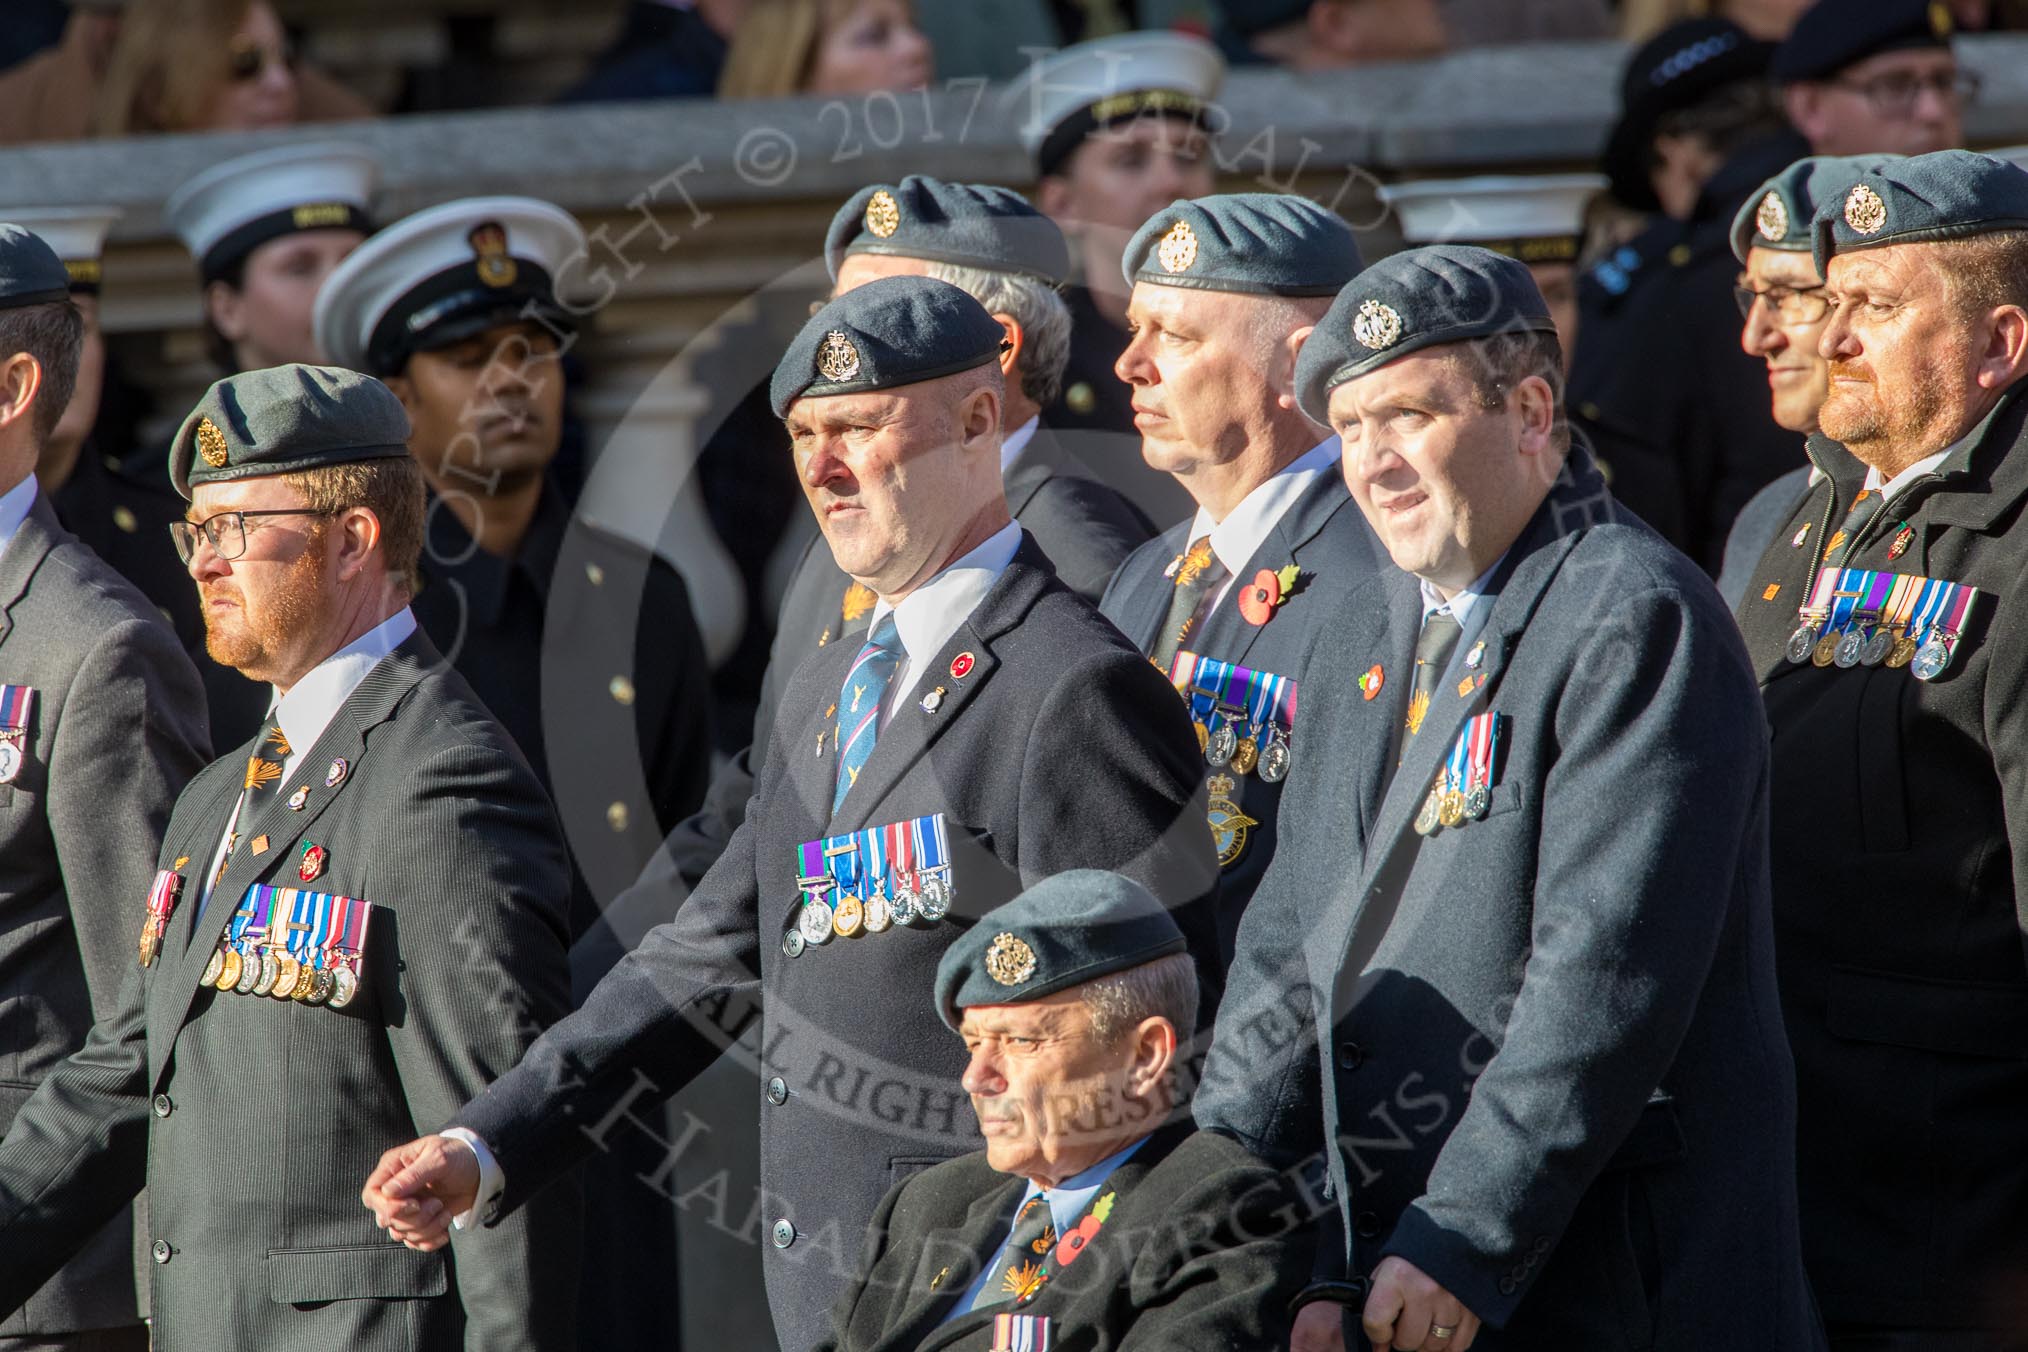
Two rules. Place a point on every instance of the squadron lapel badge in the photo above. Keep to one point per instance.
(335, 776)
(310, 865)
(17, 703)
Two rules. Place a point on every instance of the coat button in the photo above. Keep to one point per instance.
(1506, 1286)
(778, 1092)
(792, 943)
(1366, 1225)
(1351, 1056)
(163, 1107)
(159, 1250)
(785, 1234)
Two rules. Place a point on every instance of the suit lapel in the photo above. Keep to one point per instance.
(974, 1244)
(37, 535)
(1228, 633)
(1037, 463)
(345, 737)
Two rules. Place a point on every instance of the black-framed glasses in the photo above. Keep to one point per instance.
(1788, 304)
(226, 531)
(1894, 94)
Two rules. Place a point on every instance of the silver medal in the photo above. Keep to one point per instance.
(1477, 801)
(1849, 648)
(1224, 741)
(935, 901)
(1274, 759)
(816, 922)
(878, 914)
(1930, 659)
(1878, 644)
(1802, 643)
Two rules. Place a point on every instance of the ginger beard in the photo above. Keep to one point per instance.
(251, 638)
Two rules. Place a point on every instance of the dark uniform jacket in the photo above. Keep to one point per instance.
(254, 1121)
(1900, 812)
(1084, 528)
(116, 731)
(1551, 1047)
(1323, 534)
(1196, 1253)
(1061, 748)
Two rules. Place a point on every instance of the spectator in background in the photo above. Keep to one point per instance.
(1767, 20)
(785, 47)
(1866, 77)
(1325, 34)
(210, 65)
(667, 49)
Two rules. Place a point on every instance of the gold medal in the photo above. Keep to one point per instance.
(1903, 651)
(1203, 738)
(148, 942)
(228, 975)
(1453, 810)
(1826, 650)
(1245, 756)
(287, 972)
(848, 917)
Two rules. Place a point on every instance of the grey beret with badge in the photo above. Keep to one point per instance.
(1418, 298)
(1781, 214)
(285, 419)
(1944, 195)
(1253, 243)
(974, 225)
(30, 271)
(891, 332)
(1066, 930)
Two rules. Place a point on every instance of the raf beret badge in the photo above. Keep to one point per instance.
(1377, 325)
(1178, 249)
(1864, 211)
(883, 214)
(211, 443)
(1772, 218)
(837, 359)
(1010, 961)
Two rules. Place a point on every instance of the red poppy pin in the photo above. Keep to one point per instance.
(1370, 683)
(1259, 599)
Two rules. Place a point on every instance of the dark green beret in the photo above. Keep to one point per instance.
(1257, 243)
(1834, 34)
(284, 419)
(1418, 298)
(894, 331)
(1062, 932)
(30, 271)
(1781, 213)
(1946, 194)
(974, 225)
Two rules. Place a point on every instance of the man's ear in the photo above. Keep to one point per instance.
(1017, 342)
(1536, 403)
(979, 415)
(1286, 353)
(357, 534)
(20, 382)
(1154, 1053)
(2005, 359)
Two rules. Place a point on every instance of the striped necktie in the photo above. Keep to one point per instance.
(1017, 1270)
(860, 701)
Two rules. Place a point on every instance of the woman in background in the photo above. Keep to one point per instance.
(785, 47)
(211, 65)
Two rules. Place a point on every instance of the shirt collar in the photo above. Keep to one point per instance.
(1070, 1197)
(1015, 442)
(314, 701)
(1887, 488)
(1460, 605)
(929, 615)
(14, 505)
(1235, 539)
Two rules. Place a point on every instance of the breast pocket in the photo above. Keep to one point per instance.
(354, 1272)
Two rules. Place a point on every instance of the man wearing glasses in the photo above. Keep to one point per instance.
(1861, 77)
(1781, 299)
(355, 919)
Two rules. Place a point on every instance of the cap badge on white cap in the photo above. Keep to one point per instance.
(1772, 218)
(837, 359)
(1864, 211)
(1177, 249)
(883, 214)
(1010, 961)
(489, 242)
(1377, 325)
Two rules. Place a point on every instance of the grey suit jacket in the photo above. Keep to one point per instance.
(1061, 748)
(1084, 527)
(1324, 535)
(1552, 1058)
(254, 1121)
(116, 731)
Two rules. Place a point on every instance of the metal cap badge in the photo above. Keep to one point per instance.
(1377, 325)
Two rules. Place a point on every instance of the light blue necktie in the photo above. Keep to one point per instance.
(860, 701)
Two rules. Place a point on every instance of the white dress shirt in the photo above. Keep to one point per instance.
(925, 621)
(1067, 1201)
(1460, 605)
(1015, 442)
(1235, 539)
(1887, 488)
(312, 703)
(14, 505)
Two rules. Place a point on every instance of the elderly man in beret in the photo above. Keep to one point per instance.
(1781, 297)
(991, 730)
(1883, 623)
(1556, 1107)
(353, 916)
(1095, 1216)
(101, 726)
(1224, 289)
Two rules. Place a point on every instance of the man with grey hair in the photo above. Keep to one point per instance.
(1091, 1218)
(1225, 289)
